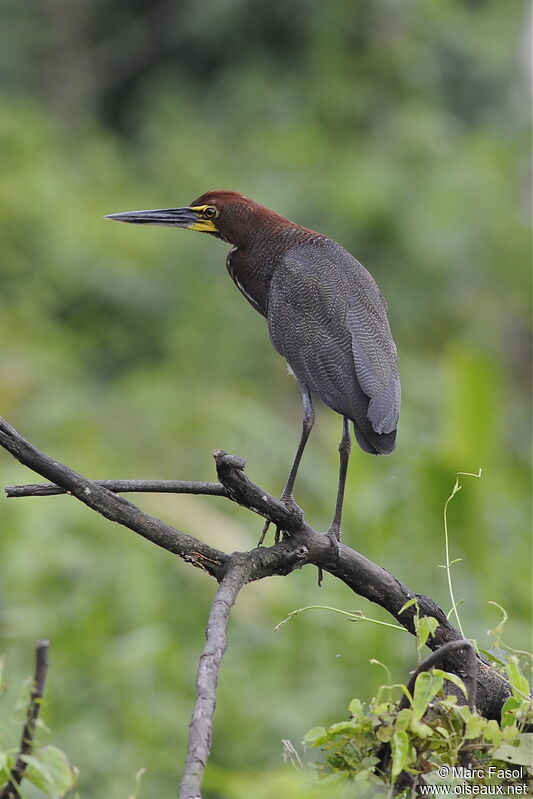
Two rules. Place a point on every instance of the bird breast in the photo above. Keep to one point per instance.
(251, 272)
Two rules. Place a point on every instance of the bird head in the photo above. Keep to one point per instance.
(225, 214)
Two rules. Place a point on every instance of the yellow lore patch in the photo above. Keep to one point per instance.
(203, 225)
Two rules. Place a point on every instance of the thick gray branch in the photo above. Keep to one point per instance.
(113, 507)
(439, 656)
(362, 575)
(200, 728)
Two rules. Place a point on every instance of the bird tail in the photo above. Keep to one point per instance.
(375, 443)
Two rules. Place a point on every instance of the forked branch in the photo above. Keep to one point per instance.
(300, 545)
(113, 507)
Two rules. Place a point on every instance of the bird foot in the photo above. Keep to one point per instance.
(291, 506)
(334, 535)
(264, 531)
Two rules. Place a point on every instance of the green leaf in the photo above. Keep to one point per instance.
(449, 703)
(464, 712)
(510, 733)
(492, 732)
(420, 729)
(400, 752)
(443, 732)
(508, 710)
(403, 719)
(474, 726)
(492, 657)
(452, 678)
(49, 770)
(63, 777)
(408, 604)
(425, 627)
(37, 773)
(384, 733)
(362, 776)
(427, 685)
(342, 726)
(355, 707)
(519, 684)
(521, 755)
(315, 736)
(6, 765)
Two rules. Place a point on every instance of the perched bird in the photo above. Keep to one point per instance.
(325, 315)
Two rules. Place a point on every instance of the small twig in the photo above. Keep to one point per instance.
(12, 789)
(124, 487)
(200, 728)
(355, 616)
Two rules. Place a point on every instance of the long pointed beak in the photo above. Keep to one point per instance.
(174, 217)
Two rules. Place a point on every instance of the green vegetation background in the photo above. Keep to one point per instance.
(398, 128)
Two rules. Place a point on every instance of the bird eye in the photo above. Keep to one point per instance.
(210, 212)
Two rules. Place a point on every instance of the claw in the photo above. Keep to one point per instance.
(291, 505)
(263, 533)
(334, 535)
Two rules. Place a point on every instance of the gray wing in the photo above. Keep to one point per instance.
(326, 316)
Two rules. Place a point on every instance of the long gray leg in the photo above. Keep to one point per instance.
(307, 425)
(345, 447)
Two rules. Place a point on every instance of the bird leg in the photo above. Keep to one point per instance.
(334, 532)
(308, 420)
(307, 425)
(345, 447)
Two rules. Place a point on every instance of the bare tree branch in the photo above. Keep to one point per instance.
(301, 545)
(363, 576)
(200, 728)
(11, 790)
(113, 507)
(124, 487)
(439, 656)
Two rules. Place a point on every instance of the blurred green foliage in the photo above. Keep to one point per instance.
(398, 128)
(429, 739)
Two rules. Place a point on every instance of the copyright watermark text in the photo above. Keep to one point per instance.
(468, 788)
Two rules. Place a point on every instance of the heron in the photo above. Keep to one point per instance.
(325, 315)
